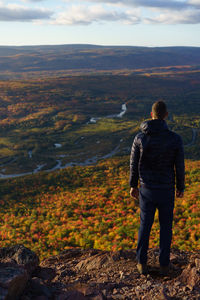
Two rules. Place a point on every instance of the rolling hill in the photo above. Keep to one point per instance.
(92, 58)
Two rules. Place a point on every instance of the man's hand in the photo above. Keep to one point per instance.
(134, 192)
(179, 194)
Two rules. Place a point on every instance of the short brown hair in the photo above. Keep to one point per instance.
(159, 110)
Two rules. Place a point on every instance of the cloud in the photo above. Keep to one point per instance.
(131, 12)
(85, 15)
(186, 17)
(20, 13)
(124, 11)
(33, 0)
(168, 4)
(159, 4)
(194, 3)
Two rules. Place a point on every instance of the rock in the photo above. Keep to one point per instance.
(157, 292)
(12, 282)
(38, 288)
(98, 297)
(174, 258)
(191, 277)
(94, 262)
(71, 295)
(89, 291)
(92, 274)
(46, 274)
(118, 297)
(163, 295)
(3, 293)
(115, 291)
(21, 255)
(197, 263)
(41, 298)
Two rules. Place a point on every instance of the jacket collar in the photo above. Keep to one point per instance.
(153, 126)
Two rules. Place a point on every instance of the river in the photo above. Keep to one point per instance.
(87, 162)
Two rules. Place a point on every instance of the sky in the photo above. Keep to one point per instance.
(101, 22)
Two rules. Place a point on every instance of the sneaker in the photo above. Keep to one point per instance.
(164, 270)
(142, 268)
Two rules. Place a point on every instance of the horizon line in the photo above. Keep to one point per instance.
(100, 45)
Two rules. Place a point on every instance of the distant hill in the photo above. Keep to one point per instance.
(93, 57)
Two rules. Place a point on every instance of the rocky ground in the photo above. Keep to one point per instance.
(78, 274)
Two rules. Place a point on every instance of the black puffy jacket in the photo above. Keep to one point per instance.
(157, 157)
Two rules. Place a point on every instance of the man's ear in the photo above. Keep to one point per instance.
(151, 114)
(166, 114)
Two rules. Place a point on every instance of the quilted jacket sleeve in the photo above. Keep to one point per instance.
(134, 162)
(180, 167)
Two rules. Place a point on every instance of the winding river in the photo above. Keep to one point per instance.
(87, 162)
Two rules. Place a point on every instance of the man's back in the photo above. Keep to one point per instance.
(157, 159)
(160, 153)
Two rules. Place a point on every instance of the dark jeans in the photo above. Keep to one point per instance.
(150, 199)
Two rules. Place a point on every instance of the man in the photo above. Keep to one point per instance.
(157, 161)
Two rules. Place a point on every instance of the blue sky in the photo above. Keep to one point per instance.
(103, 22)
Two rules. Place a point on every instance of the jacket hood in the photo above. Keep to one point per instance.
(153, 126)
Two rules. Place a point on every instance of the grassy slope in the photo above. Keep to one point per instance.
(88, 207)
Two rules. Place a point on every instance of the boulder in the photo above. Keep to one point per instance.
(38, 287)
(21, 256)
(3, 293)
(190, 276)
(13, 280)
(71, 295)
(94, 262)
(47, 274)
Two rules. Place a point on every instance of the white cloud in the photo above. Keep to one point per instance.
(162, 14)
(85, 15)
(186, 17)
(169, 4)
(174, 5)
(33, 0)
(194, 3)
(13, 12)
(102, 11)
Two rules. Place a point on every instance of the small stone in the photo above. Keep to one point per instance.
(197, 263)
(177, 283)
(97, 297)
(86, 290)
(115, 291)
(185, 288)
(125, 289)
(163, 295)
(174, 258)
(118, 297)
(121, 274)
(148, 284)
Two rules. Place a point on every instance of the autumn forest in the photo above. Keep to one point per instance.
(64, 158)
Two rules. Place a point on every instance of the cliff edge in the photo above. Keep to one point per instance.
(77, 274)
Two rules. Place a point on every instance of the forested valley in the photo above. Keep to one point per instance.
(64, 158)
